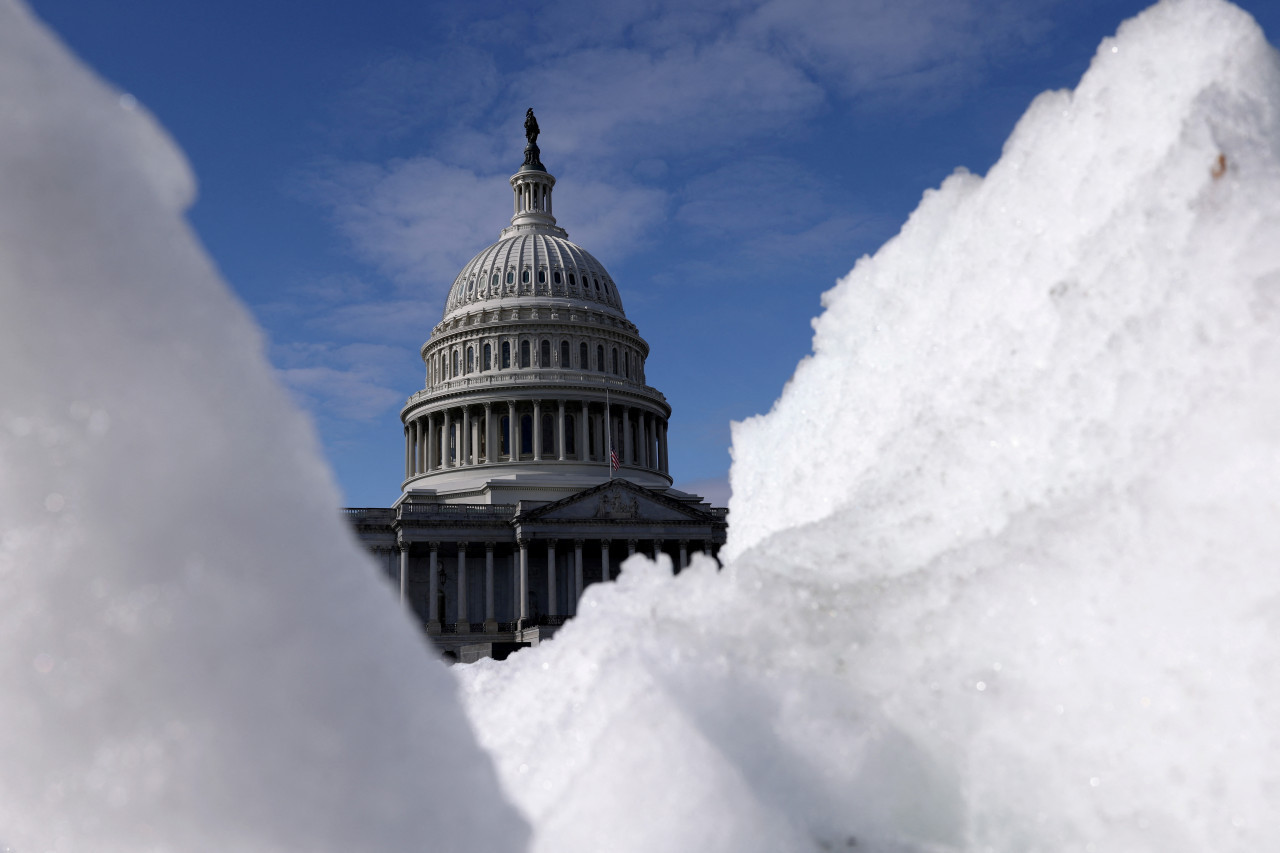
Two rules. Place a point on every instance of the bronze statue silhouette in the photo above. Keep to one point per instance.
(530, 127)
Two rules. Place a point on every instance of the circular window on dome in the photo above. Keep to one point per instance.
(511, 276)
(524, 276)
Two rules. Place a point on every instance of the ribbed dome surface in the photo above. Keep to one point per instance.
(533, 265)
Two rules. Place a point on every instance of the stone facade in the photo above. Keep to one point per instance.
(513, 501)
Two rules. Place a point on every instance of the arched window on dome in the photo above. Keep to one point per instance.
(626, 364)
(487, 359)
(524, 353)
(564, 355)
(506, 354)
(570, 443)
(542, 276)
(582, 356)
(494, 280)
(548, 435)
(471, 359)
(615, 361)
(600, 358)
(557, 277)
(545, 354)
(526, 435)
(596, 281)
(572, 282)
(511, 276)
(524, 276)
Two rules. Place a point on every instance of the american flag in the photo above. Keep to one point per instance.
(613, 457)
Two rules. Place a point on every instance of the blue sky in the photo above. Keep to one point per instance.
(727, 161)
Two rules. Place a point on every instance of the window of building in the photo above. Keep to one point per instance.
(615, 361)
(524, 353)
(494, 281)
(548, 435)
(582, 356)
(600, 359)
(557, 277)
(456, 360)
(471, 359)
(487, 359)
(572, 280)
(524, 276)
(564, 355)
(542, 276)
(570, 436)
(526, 434)
(545, 354)
(511, 276)
(596, 281)
(506, 354)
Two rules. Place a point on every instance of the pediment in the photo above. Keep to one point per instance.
(618, 500)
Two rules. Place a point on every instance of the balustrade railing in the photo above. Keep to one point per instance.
(504, 511)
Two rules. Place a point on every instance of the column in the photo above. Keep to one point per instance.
(577, 573)
(604, 559)
(582, 436)
(513, 452)
(408, 451)
(490, 620)
(429, 460)
(553, 600)
(560, 432)
(662, 447)
(522, 589)
(465, 458)
(464, 624)
(537, 430)
(626, 435)
(684, 553)
(445, 435)
(404, 569)
(433, 591)
(418, 448)
(489, 455)
(642, 439)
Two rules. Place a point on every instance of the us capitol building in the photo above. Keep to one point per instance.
(513, 501)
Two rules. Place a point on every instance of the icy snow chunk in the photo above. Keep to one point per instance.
(194, 654)
(1001, 572)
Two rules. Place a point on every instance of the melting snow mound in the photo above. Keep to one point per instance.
(195, 655)
(1003, 560)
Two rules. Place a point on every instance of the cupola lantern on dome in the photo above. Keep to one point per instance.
(535, 423)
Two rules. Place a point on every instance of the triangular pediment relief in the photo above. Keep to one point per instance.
(618, 500)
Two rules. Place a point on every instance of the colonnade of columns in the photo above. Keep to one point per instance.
(522, 559)
(474, 434)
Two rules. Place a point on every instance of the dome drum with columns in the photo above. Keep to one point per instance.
(534, 381)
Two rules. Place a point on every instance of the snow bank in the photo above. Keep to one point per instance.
(1003, 557)
(194, 655)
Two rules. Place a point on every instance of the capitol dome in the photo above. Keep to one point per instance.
(535, 455)
(535, 379)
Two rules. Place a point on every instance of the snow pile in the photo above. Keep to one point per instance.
(194, 655)
(1003, 561)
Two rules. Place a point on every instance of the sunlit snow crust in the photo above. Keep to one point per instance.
(1003, 560)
